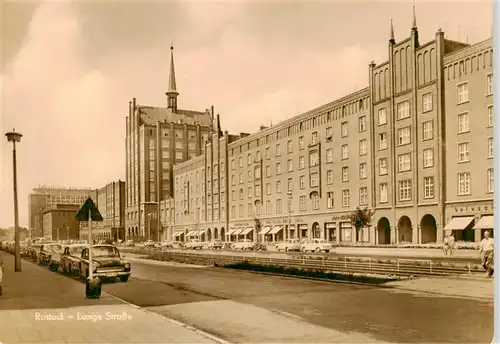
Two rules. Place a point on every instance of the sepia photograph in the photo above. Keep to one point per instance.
(222, 171)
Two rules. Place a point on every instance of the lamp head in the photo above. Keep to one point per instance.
(13, 136)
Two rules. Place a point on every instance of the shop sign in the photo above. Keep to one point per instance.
(472, 208)
(282, 221)
(341, 218)
(238, 225)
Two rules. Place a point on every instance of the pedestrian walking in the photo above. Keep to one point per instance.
(451, 243)
(486, 253)
(446, 245)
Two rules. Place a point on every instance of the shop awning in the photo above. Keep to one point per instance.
(486, 222)
(191, 233)
(178, 233)
(276, 229)
(201, 232)
(238, 231)
(459, 223)
(246, 231)
(264, 230)
(231, 231)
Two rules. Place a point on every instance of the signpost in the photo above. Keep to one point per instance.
(89, 212)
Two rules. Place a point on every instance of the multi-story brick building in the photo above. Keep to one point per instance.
(49, 196)
(60, 221)
(407, 147)
(111, 204)
(156, 139)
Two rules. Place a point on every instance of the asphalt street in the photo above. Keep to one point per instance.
(377, 312)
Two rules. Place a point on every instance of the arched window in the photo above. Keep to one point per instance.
(258, 208)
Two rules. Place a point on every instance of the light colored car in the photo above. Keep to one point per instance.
(107, 263)
(289, 245)
(244, 245)
(149, 243)
(194, 245)
(70, 259)
(215, 245)
(316, 245)
(166, 244)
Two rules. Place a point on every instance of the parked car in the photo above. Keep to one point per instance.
(70, 259)
(130, 243)
(215, 245)
(194, 245)
(289, 245)
(46, 251)
(316, 245)
(149, 244)
(244, 245)
(177, 244)
(106, 263)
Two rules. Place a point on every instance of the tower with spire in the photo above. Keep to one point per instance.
(172, 93)
(414, 31)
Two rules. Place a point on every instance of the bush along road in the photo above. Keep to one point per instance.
(367, 271)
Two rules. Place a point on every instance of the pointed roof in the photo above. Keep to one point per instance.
(172, 87)
(414, 18)
(392, 32)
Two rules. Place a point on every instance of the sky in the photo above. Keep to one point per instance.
(69, 69)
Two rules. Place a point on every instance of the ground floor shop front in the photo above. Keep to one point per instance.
(423, 224)
(468, 221)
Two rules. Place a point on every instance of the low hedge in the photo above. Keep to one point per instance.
(311, 273)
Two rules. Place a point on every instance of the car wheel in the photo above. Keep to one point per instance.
(124, 278)
(318, 249)
(286, 249)
(326, 251)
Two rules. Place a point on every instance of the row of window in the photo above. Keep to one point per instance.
(463, 89)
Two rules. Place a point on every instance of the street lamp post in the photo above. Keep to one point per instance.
(289, 194)
(67, 233)
(57, 234)
(15, 137)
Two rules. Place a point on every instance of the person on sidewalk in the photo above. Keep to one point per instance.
(486, 253)
(451, 243)
(446, 245)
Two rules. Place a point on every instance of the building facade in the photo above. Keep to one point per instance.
(49, 196)
(60, 220)
(407, 147)
(156, 139)
(111, 204)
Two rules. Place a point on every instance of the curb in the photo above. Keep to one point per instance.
(325, 280)
(165, 263)
(483, 299)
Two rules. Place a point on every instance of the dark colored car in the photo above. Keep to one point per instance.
(46, 251)
(70, 259)
(106, 263)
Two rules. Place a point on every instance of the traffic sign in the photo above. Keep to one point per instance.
(89, 208)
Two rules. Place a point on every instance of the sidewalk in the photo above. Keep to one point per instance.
(474, 286)
(41, 306)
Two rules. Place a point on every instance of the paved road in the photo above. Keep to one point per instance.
(234, 304)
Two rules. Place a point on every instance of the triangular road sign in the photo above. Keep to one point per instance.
(83, 213)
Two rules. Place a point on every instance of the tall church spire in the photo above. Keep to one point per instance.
(414, 18)
(172, 87)
(392, 40)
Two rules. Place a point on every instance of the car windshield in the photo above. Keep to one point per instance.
(76, 251)
(105, 251)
